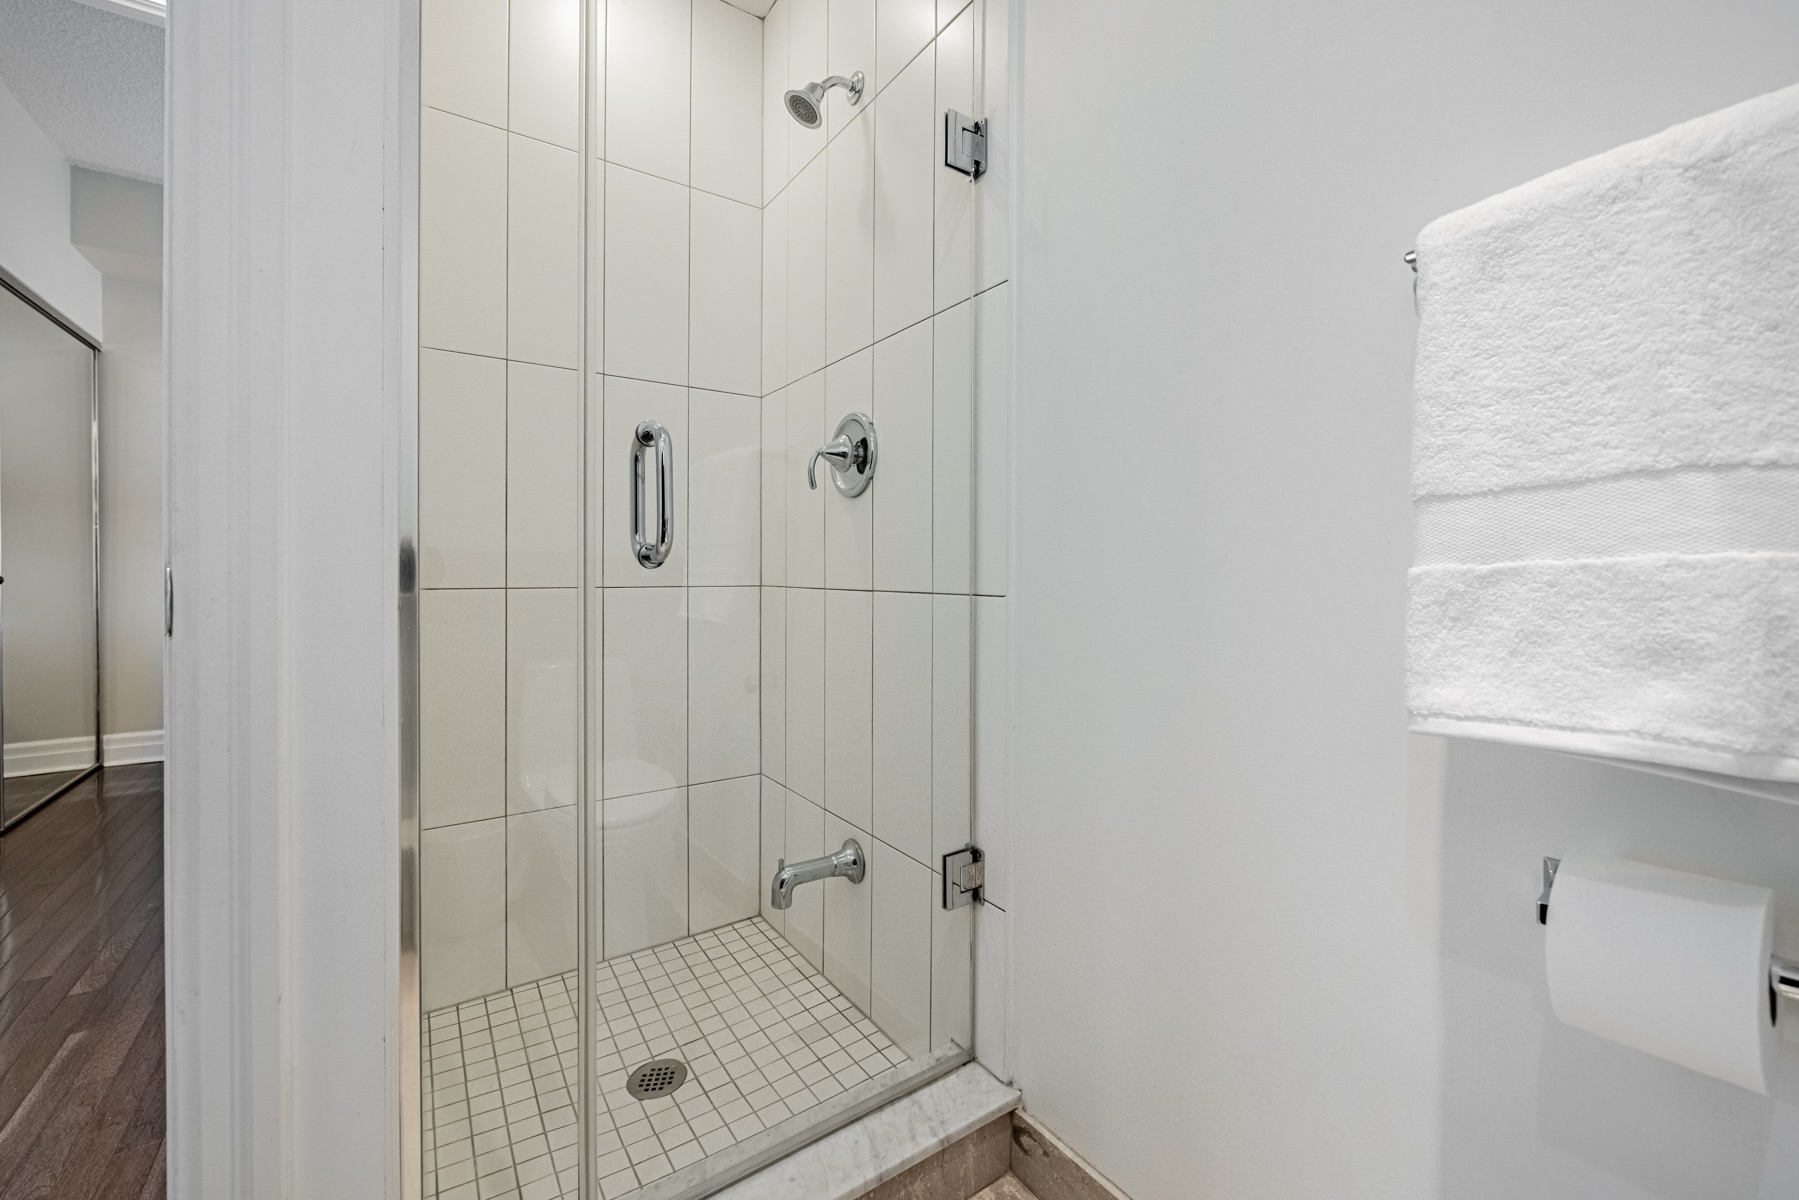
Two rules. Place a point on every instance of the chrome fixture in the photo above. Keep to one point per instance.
(964, 144)
(807, 104)
(964, 875)
(652, 554)
(848, 863)
(851, 455)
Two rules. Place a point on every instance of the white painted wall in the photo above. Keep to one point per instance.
(34, 222)
(1265, 945)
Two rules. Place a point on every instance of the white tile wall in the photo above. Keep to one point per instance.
(723, 489)
(774, 683)
(850, 37)
(644, 681)
(724, 679)
(649, 46)
(727, 92)
(849, 704)
(993, 442)
(904, 197)
(463, 58)
(541, 897)
(807, 55)
(774, 294)
(992, 770)
(644, 842)
(954, 221)
(543, 260)
(543, 476)
(545, 51)
(774, 489)
(849, 231)
(806, 693)
(902, 721)
(952, 972)
(775, 800)
(646, 276)
(808, 210)
(952, 708)
(542, 685)
(725, 292)
(900, 949)
(775, 120)
(462, 470)
(903, 28)
(952, 453)
(462, 235)
(848, 915)
(806, 432)
(805, 923)
(849, 520)
(462, 912)
(902, 494)
(462, 710)
(724, 880)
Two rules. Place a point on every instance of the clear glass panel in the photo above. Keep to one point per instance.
(654, 663)
(49, 687)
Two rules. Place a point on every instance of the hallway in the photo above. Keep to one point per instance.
(81, 994)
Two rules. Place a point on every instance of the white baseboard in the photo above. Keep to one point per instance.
(141, 746)
(75, 753)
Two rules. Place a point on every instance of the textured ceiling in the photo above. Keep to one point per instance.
(92, 80)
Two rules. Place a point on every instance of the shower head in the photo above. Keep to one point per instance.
(807, 104)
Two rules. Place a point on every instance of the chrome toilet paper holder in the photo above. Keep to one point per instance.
(1783, 974)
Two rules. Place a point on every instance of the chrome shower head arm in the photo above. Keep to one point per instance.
(852, 85)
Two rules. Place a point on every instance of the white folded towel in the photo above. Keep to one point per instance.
(1606, 455)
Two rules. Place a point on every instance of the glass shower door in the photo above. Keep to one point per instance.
(49, 629)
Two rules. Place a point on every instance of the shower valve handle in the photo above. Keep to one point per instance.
(851, 455)
(840, 453)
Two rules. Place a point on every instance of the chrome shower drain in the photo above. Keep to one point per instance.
(656, 1078)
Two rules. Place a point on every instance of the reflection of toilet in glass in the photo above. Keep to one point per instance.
(544, 736)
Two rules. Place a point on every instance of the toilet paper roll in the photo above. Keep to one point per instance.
(1669, 963)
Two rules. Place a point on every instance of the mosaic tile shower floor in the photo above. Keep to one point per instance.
(764, 1035)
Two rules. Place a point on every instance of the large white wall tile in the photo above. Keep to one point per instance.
(541, 900)
(648, 64)
(462, 705)
(806, 693)
(774, 849)
(644, 844)
(462, 235)
(807, 54)
(901, 493)
(947, 10)
(849, 916)
(774, 294)
(462, 58)
(806, 432)
(993, 989)
(807, 214)
(904, 198)
(952, 714)
(900, 950)
(644, 681)
(724, 670)
(850, 33)
(724, 852)
(546, 71)
(849, 520)
(956, 195)
(646, 277)
(727, 101)
(774, 683)
(993, 442)
(543, 255)
(850, 228)
(902, 721)
(543, 681)
(462, 470)
(774, 489)
(543, 476)
(849, 706)
(462, 912)
(724, 482)
(995, 107)
(902, 29)
(952, 972)
(805, 924)
(725, 293)
(629, 402)
(952, 454)
(773, 111)
(992, 744)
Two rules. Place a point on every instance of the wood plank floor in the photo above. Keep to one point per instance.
(81, 1004)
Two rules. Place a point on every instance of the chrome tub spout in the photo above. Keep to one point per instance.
(848, 863)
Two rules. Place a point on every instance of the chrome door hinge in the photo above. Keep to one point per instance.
(964, 144)
(964, 877)
(168, 601)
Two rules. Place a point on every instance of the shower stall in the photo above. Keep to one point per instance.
(692, 558)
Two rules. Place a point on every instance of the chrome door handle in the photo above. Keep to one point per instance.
(850, 455)
(652, 554)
